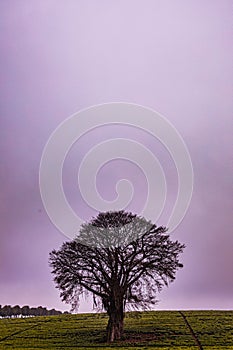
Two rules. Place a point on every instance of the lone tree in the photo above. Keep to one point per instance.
(120, 258)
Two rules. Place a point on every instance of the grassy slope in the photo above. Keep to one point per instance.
(214, 329)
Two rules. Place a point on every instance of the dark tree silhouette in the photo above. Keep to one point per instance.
(121, 259)
(25, 310)
(6, 311)
(17, 311)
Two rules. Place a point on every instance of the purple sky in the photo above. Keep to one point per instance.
(58, 57)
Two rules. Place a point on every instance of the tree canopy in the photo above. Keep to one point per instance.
(17, 311)
(122, 259)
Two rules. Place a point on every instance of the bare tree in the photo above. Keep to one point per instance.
(120, 258)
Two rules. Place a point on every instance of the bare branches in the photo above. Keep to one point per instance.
(119, 258)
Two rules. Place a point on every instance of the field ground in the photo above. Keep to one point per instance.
(160, 330)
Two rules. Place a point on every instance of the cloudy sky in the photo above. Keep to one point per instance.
(58, 57)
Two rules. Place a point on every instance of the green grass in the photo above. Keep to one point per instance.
(143, 330)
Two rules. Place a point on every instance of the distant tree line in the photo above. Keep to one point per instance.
(25, 311)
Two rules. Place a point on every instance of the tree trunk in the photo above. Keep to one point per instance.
(115, 323)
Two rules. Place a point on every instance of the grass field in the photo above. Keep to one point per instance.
(143, 330)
